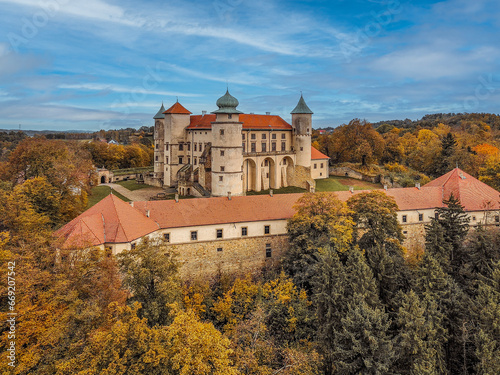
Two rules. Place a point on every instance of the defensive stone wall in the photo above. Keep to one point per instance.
(205, 259)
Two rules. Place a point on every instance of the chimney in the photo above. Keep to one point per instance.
(229, 195)
(385, 187)
(203, 113)
(271, 192)
(147, 213)
(417, 185)
(268, 113)
(131, 203)
(351, 189)
(177, 198)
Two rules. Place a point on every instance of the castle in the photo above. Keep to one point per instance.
(229, 152)
(244, 233)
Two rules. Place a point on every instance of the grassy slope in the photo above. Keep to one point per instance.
(100, 192)
(133, 185)
(335, 184)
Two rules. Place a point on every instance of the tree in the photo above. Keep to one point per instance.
(448, 149)
(320, 220)
(447, 231)
(150, 274)
(362, 346)
(416, 342)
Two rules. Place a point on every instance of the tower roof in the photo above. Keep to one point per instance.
(160, 114)
(227, 104)
(178, 109)
(302, 107)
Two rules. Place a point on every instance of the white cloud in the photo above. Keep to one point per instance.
(123, 89)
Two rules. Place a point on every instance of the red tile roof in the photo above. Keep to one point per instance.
(473, 194)
(178, 108)
(219, 210)
(317, 155)
(109, 221)
(257, 122)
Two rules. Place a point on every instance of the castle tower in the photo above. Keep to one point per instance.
(177, 119)
(302, 126)
(159, 137)
(227, 151)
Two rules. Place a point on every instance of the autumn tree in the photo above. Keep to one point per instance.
(320, 219)
(150, 273)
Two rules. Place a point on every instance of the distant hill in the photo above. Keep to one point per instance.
(454, 120)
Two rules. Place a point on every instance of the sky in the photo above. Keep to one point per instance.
(108, 64)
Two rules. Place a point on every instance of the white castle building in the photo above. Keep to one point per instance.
(229, 152)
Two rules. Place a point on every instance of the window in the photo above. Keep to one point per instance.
(167, 159)
(166, 146)
(243, 136)
(194, 235)
(219, 233)
(420, 217)
(221, 178)
(157, 145)
(244, 231)
(180, 160)
(195, 161)
(321, 174)
(156, 158)
(166, 237)
(253, 147)
(405, 218)
(263, 136)
(405, 232)
(321, 165)
(243, 146)
(133, 246)
(222, 132)
(252, 136)
(473, 218)
(266, 162)
(283, 146)
(189, 146)
(284, 161)
(221, 153)
(497, 219)
(229, 117)
(196, 146)
(283, 135)
(267, 229)
(302, 149)
(315, 166)
(181, 146)
(273, 146)
(263, 146)
(219, 249)
(273, 136)
(222, 168)
(200, 147)
(269, 251)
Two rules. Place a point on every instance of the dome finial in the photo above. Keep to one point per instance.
(227, 104)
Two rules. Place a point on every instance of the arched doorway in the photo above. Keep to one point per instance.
(287, 171)
(249, 175)
(103, 179)
(268, 173)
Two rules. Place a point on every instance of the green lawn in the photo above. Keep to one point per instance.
(100, 192)
(342, 184)
(133, 185)
(285, 190)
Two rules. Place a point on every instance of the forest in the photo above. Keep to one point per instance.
(347, 297)
(432, 146)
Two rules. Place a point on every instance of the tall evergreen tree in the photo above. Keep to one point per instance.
(362, 345)
(448, 149)
(416, 343)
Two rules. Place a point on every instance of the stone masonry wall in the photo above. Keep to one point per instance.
(201, 259)
(414, 236)
(301, 177)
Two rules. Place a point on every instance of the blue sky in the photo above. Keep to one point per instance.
(106, 64)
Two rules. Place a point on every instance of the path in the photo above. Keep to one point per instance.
(136, 195)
